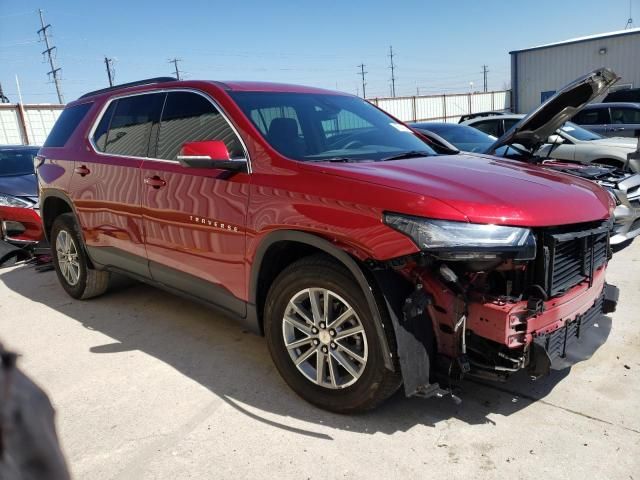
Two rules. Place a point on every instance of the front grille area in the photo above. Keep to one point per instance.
(556, 343)
(570, 258)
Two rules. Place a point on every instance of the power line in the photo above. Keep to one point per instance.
(364, 84)
(111, 73)
(485, 70)
(175, 65)
(55, 72)
(630, 20)
(393, 76)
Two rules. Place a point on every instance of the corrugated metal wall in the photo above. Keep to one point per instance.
(549, 69)
(443, 108)
(27, 124)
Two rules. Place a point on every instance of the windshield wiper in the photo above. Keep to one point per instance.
(332, 159)
(409, 154)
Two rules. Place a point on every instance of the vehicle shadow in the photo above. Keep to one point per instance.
(235, 365)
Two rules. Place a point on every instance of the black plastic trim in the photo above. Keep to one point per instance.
(147, 81)
(330, 249)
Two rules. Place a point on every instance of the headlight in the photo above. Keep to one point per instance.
(465, 241)
(11, 201)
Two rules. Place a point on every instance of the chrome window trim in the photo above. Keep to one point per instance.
(164, 90)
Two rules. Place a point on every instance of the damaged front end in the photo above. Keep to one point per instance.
(489, 301)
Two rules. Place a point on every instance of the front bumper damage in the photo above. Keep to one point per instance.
(531, 336)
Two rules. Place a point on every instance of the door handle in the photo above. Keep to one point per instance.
(82, 171)
(617, 129)
(155, 182)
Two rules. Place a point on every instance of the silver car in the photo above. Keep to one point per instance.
(571, 142)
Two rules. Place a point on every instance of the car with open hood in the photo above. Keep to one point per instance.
(570, 142)
(367, 260)
(520, 142)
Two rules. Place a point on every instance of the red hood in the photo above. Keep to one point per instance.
(488, 189)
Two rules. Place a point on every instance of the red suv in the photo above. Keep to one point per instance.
(367, 260)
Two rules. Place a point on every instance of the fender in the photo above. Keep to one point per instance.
(338, 254)
(47, 193)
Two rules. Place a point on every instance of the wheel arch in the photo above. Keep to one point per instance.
(283, 247)
(53, 204)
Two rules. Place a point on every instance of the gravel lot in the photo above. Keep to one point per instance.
(148, 385)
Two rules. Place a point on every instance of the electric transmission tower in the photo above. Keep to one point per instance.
(485, 70)
(362, 73)
(55, 71)
(175, 65)
(392, 66)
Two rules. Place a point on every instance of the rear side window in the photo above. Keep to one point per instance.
(130, 126)
(625, 115)
(100, 135)
(66, 125)
(189, 117)
(594, 116)
(490, 127)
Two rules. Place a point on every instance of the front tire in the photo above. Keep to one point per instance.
(71, 262)
(323, 340)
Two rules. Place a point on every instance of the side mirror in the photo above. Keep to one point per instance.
(209, 154)
(555, 139)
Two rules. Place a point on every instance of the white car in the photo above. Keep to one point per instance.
(571, 142)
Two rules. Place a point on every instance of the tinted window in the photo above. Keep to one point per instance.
(594, 116)
(625, 115)
(189, 117)
(315, 126)
(16, 161)
(490, 127)
(100, 135)
(510, 122)
(131, 124)
(66, 124)
(464, 138)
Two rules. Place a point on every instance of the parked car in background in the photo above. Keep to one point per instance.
(570, 142)
(626, 95)
(624, 186)
(613, 119)
(367, 260)
(471, 116)
(20, 222)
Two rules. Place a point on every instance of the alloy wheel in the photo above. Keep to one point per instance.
(67, 254)
(325, 338)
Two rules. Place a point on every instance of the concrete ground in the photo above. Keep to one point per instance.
(150, 386)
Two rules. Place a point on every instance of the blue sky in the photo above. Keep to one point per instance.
(439, 46)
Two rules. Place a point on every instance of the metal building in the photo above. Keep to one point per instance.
(538, 72)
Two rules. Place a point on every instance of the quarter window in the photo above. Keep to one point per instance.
(66, 124)
(189, 117)
(130, 127)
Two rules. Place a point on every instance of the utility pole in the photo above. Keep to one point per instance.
(3, 98)
(362, 73)
(485, 70)
(108, 63)
(175, 65)
(55, 72)
(630, 21)
(393, 68)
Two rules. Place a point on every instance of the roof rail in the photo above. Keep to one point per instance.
(147, 81)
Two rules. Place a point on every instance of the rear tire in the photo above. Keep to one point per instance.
(347, 352)
(71, 262)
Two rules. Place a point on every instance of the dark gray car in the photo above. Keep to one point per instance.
(610, 119)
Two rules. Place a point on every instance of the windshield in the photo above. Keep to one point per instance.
(579, 133)
(464, 138)
(317, 127)
(17, 161)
